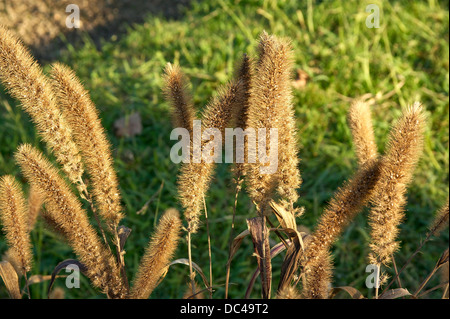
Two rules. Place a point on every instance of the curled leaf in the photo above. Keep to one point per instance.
(123, 233)
(62, 265)
(353, 292)
(185, 261)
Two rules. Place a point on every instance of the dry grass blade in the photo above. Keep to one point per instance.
(37, 279)
(285, 218)
(441, 262)
(10, 279)
(234, 246)
(260, 237)
(444, 284)
(295, 249)
(198, 269)
(237, 241)
(353, 292)
(395, 293)
(278, 248)
(290, 264)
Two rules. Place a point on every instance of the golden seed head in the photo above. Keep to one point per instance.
(13, 216)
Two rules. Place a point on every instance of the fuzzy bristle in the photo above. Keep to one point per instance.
(244, 75)
(13, 215)
(403, 151)
(177, 94)
(360, 122)
(440, 221)
(65, 210)
(157, 255)
(90, 137)
(318, 277)
(24, 79)
(288, 292)
(34, 206)
(194, 178)
(347, 202)
(271, 108)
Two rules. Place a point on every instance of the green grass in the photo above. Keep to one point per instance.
(404, 60)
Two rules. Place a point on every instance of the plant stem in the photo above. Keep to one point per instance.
(396, 272)
(407, 262)
(191, 273)
(377, 282)
(209, 249)
(227, 278)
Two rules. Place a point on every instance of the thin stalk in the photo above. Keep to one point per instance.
(407, 263)
(227, 278)
(433, 289)
(85, 195)
(445, 291)
(121, 260)
(191, 273)
(423, 284)
(209, 248)
(377, 282)
(26, 285)
(396, 272)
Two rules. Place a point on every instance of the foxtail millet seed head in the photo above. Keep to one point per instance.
(13, 216)
(24, 79)
(157, 256)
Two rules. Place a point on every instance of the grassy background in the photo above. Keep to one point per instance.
(405, 60)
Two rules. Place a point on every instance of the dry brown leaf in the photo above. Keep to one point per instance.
(237, 241)
(123, 233)
(128, 126)
(293, 254)
(10, 279)
(301, 79)
(395, 293)
(260, 237)
(278, 248)
(285, 218)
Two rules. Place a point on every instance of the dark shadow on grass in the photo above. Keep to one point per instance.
(41, 24)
